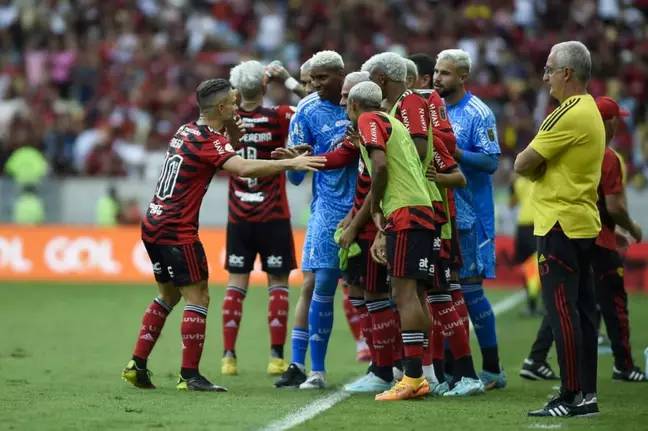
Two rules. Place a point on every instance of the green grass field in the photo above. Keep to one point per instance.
(62, 349)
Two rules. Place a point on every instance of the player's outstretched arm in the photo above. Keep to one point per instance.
(263, 168)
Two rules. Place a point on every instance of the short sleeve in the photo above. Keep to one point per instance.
(415, 115)
(611, 174)
(299, 131)
(485, 134)
(285, 113)
(438, 114)
(373, 131)
(218, 151)
(443, 161)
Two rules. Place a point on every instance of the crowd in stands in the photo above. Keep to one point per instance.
(98, 87)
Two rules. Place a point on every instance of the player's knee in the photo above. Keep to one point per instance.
(326, 281)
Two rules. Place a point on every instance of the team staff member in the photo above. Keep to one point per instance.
(565, 160)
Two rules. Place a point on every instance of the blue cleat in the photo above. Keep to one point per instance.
(493, 380)
(368, 383)
(466, 387)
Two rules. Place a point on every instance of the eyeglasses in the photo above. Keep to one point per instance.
(548, 70)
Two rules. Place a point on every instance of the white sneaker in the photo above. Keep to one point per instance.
(316, 380)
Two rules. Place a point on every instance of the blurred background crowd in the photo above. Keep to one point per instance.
(96, 87)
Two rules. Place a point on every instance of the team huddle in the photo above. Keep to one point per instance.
(402, 213)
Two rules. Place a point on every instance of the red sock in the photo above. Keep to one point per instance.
(398, 342)
(460, 306)
(451, 325)
(152, 324)
(232, 313)
(194, 323)
(278, 305)
(384, 332)
(365, 325)
(352, 316)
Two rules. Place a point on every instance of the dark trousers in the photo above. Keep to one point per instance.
(568, 293)
(612, 302)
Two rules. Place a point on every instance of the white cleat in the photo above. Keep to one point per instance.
(316, 380)
(466, 387)
(368, 383)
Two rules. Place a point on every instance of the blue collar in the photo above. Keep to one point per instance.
(461, 103)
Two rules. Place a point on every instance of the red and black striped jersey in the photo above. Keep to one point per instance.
(260, 199)
(194, 155)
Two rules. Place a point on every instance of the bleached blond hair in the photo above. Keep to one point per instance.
(459, 57)
(412, 70)
(390, 63)
(247, 78)
(327, 60)
(368, 94)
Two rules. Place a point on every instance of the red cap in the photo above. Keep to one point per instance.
(609, 108)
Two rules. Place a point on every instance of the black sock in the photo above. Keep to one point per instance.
(229, 354)
(464, 367)
(413, 367)
(139, 362)
(188, 373)
(449, 362)
(490, 360)
(386, 373)
(277, 351)
(399, 364)
(437, 364)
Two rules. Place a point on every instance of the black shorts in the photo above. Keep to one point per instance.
(525, 244)
(182, 264)
(455, 248)
(413, 254)
(273, 240)
(605, 262)
(365, 272)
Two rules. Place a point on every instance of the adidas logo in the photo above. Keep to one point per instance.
(541, 259)
(147, 337)
(231, 324)
(275, 323)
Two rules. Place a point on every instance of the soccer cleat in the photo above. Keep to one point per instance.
(493, 380)
(632, 375)
(556, 407)
(291, 378)
(466, 387)
(440, 389)
(407, 389)
(277, 366)
(368, 383)
(316, 380)
(587, 407)
(533, 370)
(198, 383)
(228, 366)
(140, 378)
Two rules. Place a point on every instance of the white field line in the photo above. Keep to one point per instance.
(320, 405)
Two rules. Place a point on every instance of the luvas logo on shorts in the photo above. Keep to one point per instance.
(274, 261)
(236, 261)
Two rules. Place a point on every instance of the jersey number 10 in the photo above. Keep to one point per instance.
(168, 177)
(251, 154)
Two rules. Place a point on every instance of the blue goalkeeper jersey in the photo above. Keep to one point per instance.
(322, 124)
(475, 128)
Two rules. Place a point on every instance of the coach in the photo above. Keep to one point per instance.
(564, 160)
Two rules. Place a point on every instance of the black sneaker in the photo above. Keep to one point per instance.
(587, 407)
(291, 378)
(632, 375)
(138, 377)
(198, 383)
(532, 370)
(556, 407)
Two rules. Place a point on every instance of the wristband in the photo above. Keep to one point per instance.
(291, 83)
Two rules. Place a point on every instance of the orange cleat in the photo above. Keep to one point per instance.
(406, 389)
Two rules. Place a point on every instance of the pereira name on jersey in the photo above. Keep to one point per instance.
(194, 155)
(260, 199)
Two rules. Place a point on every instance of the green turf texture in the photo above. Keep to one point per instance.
(62, 348)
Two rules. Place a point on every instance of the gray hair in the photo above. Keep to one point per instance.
(574, 55)
(390, 63)
(306, 67)
(247, 77)
(327, 60)
(367, 94)
(354, 78)
(412, 70)
(459, 57)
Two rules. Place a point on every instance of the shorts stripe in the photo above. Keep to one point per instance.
(567, 335)
(398, 258)
(191, 262)
(402, 252)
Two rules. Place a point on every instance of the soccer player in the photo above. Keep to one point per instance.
(565, 160)
(525, 246)
(321, 122)
(445, 176)
(259, 218)
(412, 74)
(402, 209)
(304, 76)
(478, 154)
(608, 264)
(170, 229)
